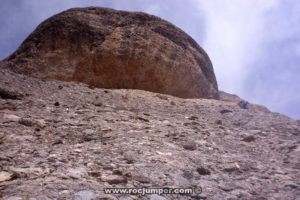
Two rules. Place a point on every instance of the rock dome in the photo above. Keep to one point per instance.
(112, 49)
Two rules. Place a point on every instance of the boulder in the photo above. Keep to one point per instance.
(106, 48)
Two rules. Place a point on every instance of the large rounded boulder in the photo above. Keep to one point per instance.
(113, 49)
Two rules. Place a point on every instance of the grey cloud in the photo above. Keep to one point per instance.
(254, 46)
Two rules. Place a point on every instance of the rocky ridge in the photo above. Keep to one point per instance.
(62, 140)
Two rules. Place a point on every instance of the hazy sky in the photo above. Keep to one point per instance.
(254, 44)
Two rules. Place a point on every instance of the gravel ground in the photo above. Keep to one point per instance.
(63, 140)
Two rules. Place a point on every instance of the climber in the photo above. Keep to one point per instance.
(244, 104)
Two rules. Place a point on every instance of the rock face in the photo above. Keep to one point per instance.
(106, 48)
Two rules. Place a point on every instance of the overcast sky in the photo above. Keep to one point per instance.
(254, 45)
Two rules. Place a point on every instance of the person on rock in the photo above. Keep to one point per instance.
(244, 104)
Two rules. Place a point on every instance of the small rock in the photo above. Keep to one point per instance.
(88, 138)
(98, 103)
(52, 158)
(26, 122)
(109, 129)
(192, 118)
(6, 176)
(255, 132)
(141, 178)
(94, 174)
(76, 173)
(40, 123)
(114, 179)
(56, 104)
(166, 122)
(142, 119)
(106, 197)
(57, 141)
(203, 171)
(191, 123)
(231, 168)
(20, 172)
(88, 131)
(237, 123)
(190, 146)
(85, 195)
(157, 197)
(227, 187)
(187, 175)
(241, 194)
(42, 197)
(249, 138)
(197, 196)
(231, 197)
(163, 97)
(64, 192)
(117, 171)
(291, 185)
(8, 94)
(225, 111)
(164, 153)
(219, 122)
(60, 87)
(205, 184)
(125, 198)
(77, 150)
(7, 106)
(129, 157)
(92, 87)
(11, 118)
(127, 174)
(14, 198)
(89, 135)
(111, 166)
